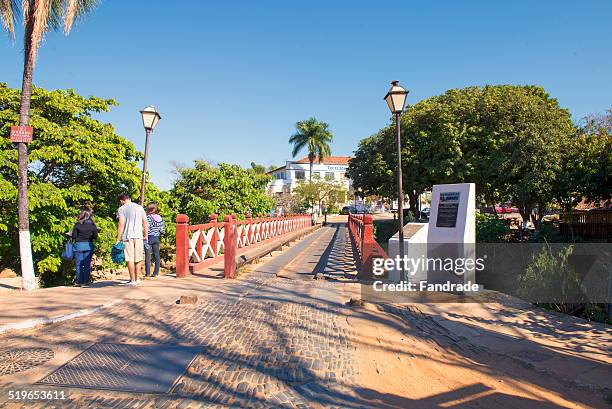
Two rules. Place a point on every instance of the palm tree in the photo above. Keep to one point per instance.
(315, 136)
(39, 16)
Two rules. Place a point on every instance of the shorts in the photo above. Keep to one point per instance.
(134, 250)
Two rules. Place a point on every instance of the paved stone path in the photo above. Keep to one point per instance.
(266, 341)
(277, 338)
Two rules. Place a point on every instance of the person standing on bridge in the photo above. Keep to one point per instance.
(132, 230)
(84, 233)
(156, 228)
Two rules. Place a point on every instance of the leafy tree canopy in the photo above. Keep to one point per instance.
(515, 142)
(74, 160)
(223, 189)
(319, 190)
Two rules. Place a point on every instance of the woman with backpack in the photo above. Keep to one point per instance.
(84, 234)
(156, 228)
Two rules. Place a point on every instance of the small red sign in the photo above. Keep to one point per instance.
(21, 134)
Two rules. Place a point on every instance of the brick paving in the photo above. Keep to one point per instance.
(273, 342)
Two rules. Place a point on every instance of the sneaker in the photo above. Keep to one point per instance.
(131, 283)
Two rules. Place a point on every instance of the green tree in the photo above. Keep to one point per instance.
(223, 190)
(371, 167)
(319, 191)
(313, 135)
(39, 16)
(586, 169)
(510, 140)
(76, 160)
(258, 168)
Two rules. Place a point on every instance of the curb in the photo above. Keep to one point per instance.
(28, 324)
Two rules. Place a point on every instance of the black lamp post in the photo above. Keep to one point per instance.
(150, 118)
(396, 99)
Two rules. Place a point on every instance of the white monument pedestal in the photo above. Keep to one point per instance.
(449, 234)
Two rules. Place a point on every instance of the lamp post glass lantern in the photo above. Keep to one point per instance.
(150, 118)
(396, 100)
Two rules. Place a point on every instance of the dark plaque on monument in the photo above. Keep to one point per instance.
(447, 209)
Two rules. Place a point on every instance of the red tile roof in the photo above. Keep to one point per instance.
(328, 160)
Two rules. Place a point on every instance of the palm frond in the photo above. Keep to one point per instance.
(314, 135)
(9, 16)
(297, 147)
(40, 24)
(26, 7)
(71, 11)
(74, 10)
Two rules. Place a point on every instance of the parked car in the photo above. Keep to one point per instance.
(345, 210)
(425, 212)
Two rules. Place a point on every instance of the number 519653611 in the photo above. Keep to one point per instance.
(36, 395)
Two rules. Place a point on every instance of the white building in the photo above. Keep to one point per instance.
(286, 178)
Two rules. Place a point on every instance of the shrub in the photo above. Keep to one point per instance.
(550, 282)
(490, 229)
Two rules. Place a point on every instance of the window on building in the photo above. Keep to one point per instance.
(329, 175)
(300, 174)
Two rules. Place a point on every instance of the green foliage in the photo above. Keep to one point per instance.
(258, 168)
(550, 276)
(490, 229)
(383, 230)
(547, 233)
(313, 135)
(288, 202)
(319, 190)
(223, 189)
(587, 165)
(514, 142)
(74, 160)
(371, 169)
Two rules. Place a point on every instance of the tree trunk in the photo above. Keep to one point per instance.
(25, 248)
(311, 165)
(412, 197)
(525, 212)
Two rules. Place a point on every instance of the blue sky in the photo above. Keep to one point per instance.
(231, 78)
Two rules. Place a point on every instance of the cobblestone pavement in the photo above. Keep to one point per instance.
(277, 338)
(272, 342)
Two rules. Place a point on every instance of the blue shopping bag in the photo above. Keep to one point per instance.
(118, 253)
(68, 253)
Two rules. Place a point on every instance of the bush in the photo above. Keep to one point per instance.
(547, 233)
(383, 230)
(550, 282)
(491, 229)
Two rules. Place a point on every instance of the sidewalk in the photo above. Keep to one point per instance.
(25, 309)
(21, 309)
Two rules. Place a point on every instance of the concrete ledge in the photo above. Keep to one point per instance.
(251, 255)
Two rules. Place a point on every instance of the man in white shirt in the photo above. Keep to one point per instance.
(132, 230)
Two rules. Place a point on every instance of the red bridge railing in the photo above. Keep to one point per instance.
(201, 245)
(362, 234)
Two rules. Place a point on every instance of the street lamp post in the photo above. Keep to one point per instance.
(150, 118)
(396, 99)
